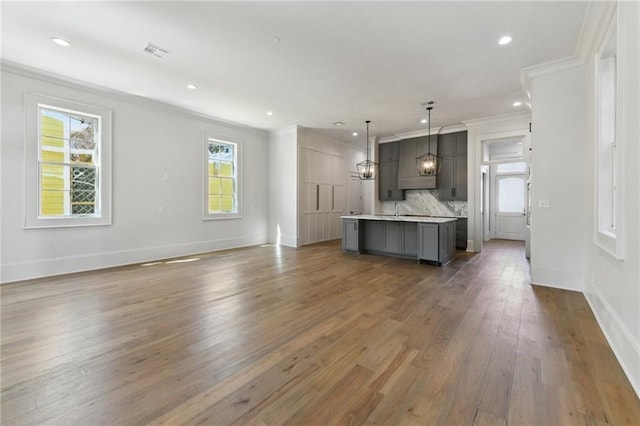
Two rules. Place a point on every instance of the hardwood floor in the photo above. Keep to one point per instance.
(269, 335)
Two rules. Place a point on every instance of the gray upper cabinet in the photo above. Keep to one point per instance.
(388, 190)
(410, 149)
(452, 180)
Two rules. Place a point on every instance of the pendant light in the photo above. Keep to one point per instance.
(429, 164)
(367, 169)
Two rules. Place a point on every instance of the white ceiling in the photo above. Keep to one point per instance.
(335, 61)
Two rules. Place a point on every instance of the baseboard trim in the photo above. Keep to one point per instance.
(620, 339)
(564, 280)
(19, 271)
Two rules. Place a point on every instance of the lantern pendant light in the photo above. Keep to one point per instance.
(367, 169)
(429, 164)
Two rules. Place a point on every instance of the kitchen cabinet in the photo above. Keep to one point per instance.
(395, 238)
(388, 190)
(350, 235)
(436, 242)
(410, 149)
(461, 233)
(410, 239)
(452, 180)
(431, 240)
(374, 235)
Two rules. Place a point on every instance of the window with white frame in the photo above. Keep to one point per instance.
(68, 163)
(222, 184)
(608, 146)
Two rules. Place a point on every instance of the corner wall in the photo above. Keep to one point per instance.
(558, 175)
(613, 286)
(283, 187)
(150, 140)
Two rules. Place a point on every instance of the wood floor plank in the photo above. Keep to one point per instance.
(271, 335)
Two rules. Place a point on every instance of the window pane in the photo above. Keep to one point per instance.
(227, 204)
(221, 169)
(512, 167)
(511, 195)
(52, 177)
(67, 137)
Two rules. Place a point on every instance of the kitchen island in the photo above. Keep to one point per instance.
(427, 239)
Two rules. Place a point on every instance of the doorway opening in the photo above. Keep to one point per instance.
(504, 207)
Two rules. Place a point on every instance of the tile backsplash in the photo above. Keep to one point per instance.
(425, 202)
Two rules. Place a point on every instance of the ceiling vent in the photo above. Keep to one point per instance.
(157, 51)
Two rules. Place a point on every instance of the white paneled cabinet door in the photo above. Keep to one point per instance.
(322, 196)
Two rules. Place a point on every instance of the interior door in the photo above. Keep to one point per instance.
(510, 209)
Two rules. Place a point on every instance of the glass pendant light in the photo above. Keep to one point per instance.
(367, 169)
(429, 164)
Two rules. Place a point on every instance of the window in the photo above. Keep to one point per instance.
(68, 163)
(222, 186)
(608, 149)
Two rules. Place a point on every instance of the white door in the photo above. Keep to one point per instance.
(510, 208)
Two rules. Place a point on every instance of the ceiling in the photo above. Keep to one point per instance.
(310, 63)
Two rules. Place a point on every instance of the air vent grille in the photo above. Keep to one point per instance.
(155, 50)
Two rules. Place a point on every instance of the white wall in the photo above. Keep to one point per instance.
(613, 286)
(558, 174)
(149, 140)
(283, 186)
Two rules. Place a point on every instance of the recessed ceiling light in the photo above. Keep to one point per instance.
(269, 112)
(505, 40)
(355, 133)
(423, 121)
(338, 123)
(191, 86)
(517, 103)
(60, 41)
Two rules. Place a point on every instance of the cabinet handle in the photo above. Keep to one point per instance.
(317, 197)
(453, 192)
(389, 193)
(333, 198)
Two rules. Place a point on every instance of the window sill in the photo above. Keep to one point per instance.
(609, 244)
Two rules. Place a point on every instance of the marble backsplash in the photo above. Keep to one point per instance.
(425, 202)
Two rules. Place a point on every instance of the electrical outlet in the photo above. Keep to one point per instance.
(161, 209)
(544, 204)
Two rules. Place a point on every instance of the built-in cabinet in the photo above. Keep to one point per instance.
(350, 235)
(461, 233)
(410, 149)
(388, 237)
(430, 242)
(436, 242)
(321, 196)
(389, 157)
(452, 180)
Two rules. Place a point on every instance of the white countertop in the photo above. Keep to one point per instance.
(424, 219)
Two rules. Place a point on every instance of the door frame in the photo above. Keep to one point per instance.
(495, 200)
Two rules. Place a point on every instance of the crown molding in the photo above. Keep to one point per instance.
(476, 122)
(71, 83)
(553, 66)
(594, 27)
(312, 131)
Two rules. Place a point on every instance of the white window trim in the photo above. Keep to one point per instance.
(611, 243)
(32, 177)
(207, 136)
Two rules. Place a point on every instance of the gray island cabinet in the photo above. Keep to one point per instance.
(427, 239)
